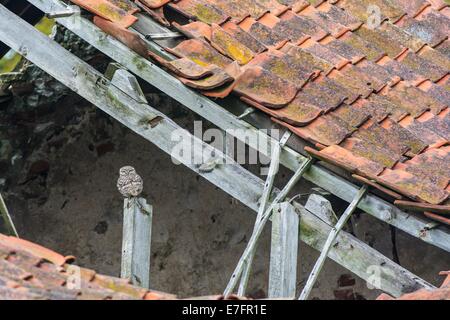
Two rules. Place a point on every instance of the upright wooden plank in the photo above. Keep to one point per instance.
(283, 252)
(351, 253)
(136, 241)
(142, 243)
(127, 238)
(225, 120)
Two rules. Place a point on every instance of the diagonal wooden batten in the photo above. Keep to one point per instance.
(251, 245)
(7, 218)
(330, 240)
(218, 115)
(268, 186)
(239, 183)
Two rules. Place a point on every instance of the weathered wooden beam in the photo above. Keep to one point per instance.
(330, 240)
(208, 109)
(154, 126)
(283, 252)
(136, 241)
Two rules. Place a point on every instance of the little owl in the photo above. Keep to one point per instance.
(130, 184)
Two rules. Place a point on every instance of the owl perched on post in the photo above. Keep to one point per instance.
(130, 184)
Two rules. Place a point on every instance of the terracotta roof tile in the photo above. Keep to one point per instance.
(111, 11)
(441, 293)
(26, 272)
(375, 101)
(425, 30)
(200, 10)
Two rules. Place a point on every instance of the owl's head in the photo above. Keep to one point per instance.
(127, 170)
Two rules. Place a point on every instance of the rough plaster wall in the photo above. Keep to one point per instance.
(62, 195)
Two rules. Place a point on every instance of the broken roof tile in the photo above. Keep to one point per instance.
(156, 14)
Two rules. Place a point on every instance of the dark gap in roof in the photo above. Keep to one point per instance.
(174, 16)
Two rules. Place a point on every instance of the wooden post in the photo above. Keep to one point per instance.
(136, 241)
(330, 240)
(283, 253)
